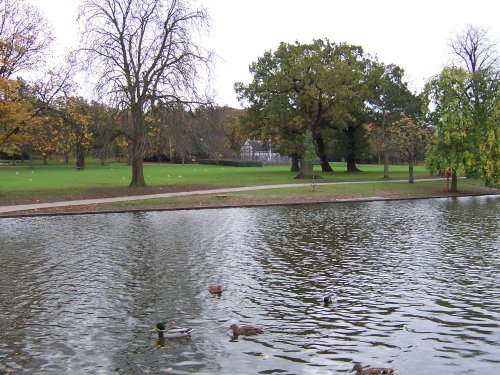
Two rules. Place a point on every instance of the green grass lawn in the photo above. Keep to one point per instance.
(60, 177)
(55, 181)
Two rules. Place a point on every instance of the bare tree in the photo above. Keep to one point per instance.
(25, 37)
(475, 51)
(143, 52)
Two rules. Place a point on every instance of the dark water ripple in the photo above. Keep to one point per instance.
(417, 285)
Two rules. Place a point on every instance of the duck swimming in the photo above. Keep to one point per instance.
(172, 333)
(373, 370)
(245, 330)
(215, 289)
(327, 300)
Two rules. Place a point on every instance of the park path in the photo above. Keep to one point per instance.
(83, 202)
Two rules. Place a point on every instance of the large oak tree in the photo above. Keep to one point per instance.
(320, 87)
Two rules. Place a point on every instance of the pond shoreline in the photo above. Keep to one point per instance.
(412, 279)
(226, 201)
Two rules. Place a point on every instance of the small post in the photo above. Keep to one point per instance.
(448, 175)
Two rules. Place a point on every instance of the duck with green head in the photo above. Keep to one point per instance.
(172, 333)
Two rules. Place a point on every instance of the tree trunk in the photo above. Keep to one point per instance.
(103, 154)
(351, 150)
(31, 161)
(137, 165)
(386, 166)
(306, 170)
(295, 163)
(454, 182)
(411, 178)
(384, 140)
(325, 166)
(80, 157)
(351, 164)
(80, 161)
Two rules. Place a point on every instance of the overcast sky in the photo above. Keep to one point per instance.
(411, 34)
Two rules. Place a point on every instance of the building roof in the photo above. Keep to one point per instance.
(256, 145)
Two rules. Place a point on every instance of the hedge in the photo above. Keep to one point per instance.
(231, 163)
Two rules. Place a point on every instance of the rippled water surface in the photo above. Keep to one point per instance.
(418, 286)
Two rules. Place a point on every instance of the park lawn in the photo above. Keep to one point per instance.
(56, 182)
(58, 177)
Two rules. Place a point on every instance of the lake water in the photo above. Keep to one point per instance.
(418, 287)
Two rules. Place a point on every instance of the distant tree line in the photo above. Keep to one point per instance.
(357, 108)
(149, 108)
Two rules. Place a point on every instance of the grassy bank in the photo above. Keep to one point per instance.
(57, 182)
(311, 194)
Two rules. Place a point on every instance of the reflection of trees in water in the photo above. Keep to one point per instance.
(405, 273)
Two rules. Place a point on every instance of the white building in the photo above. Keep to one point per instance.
(254, 150)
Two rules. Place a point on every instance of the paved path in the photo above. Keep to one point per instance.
(25, 207)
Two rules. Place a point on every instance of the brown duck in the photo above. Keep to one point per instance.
(215, 289)
(245, 330)
(373, 370)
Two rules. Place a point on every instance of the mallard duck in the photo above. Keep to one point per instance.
(215, 289)
(245, 330)
(172, 333)
(373, 370)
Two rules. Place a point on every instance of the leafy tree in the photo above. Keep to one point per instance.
(486, 132)
(14, 113)
(143, 52)
(480, 57)
(201, 133)
(231, 127)
(310, 157)
(119, 148)
(44, 136)
(213, 128)
(273, 96)
(452, 152)
(390, 101)
(24, 37)
(76, 117)
(47, 132)
(351, 137)
(317, 87)
(466, 114)
(409, 138)
(478, 94)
